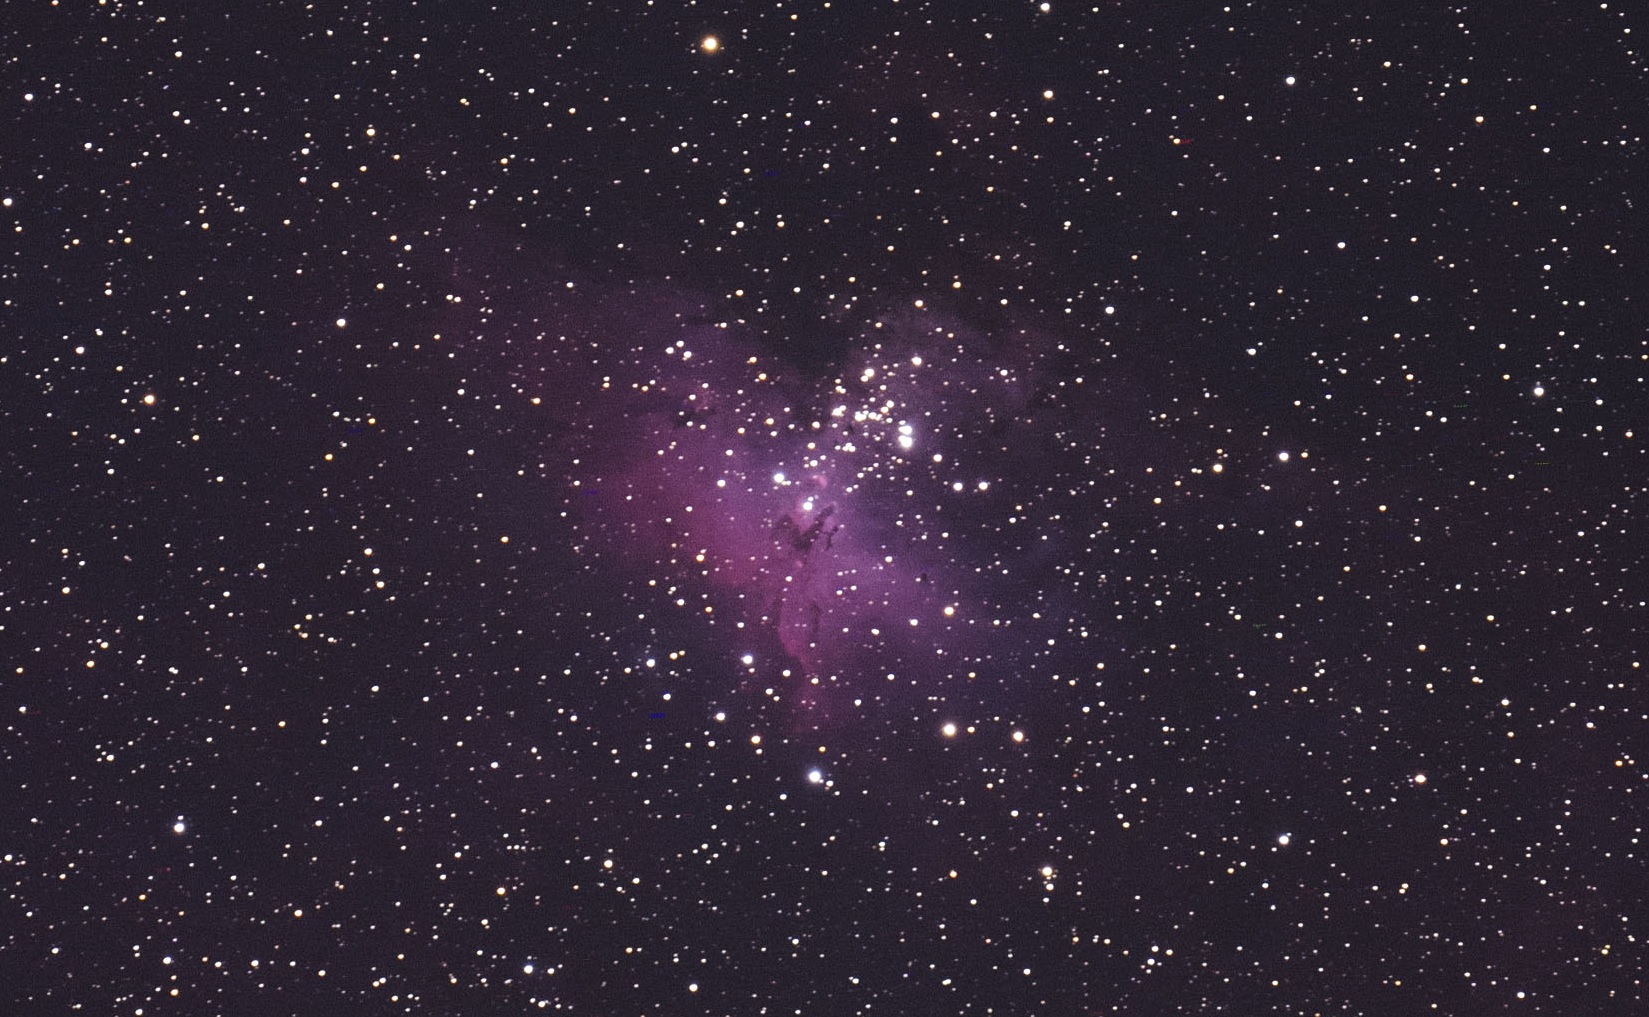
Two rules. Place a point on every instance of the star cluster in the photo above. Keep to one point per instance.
(837, 510)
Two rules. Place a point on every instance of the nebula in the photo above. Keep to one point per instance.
(850, 508)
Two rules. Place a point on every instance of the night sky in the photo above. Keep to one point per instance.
(885, 508)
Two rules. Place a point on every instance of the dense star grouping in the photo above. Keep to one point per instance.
(837, 510)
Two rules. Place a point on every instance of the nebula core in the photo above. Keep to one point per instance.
(843, 511)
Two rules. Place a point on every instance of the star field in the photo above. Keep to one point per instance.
(821, 508)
